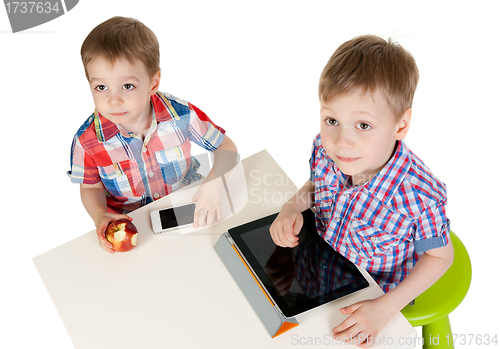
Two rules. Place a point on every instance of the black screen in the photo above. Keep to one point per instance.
(299, 278)
(177, 216)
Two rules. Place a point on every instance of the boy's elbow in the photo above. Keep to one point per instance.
(450, 255)
(443, 256)
(229, 144)
(450, 261)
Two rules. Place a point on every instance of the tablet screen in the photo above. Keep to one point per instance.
(300, 278)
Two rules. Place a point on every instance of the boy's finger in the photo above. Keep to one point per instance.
(346, 325)
(105, 241)
(277, 236)
(107, 246)
(282, 236)
(350, 308)
(202, 214)
(195, 217)
(285, 242)
(110, 246)
(299, 221)
(219, 213)
(272, 229)
(100, 233)
(210, 216)
(350, 335)
(290, 237)
(363, 340)
(102, 228)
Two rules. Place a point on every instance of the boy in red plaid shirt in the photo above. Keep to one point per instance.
(135, 148)
(376, 202)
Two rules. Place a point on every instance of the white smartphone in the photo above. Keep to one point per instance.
(174, 217)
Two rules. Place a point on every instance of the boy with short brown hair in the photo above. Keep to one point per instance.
(371, 63)
(376, 202)
(135, 147)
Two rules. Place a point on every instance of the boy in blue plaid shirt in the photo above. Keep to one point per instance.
(376, 202)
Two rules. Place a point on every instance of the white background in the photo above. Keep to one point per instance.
(253, 67)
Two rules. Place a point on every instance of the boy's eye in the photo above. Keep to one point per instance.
(128, 86)
(101, 88)
(331, 122)
(364, 126)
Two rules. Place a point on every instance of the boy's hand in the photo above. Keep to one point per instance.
(286, 227)
(208, 203)
(103, 225)
(367, 319)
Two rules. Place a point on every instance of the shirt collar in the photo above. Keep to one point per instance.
(385, 184)
(106, 129)
(333, 176)
(163, 108)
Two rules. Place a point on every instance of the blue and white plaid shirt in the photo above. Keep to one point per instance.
(385, 224)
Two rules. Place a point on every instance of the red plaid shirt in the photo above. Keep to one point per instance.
(133, 171)
(385, 224)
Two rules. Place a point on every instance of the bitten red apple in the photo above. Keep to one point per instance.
(122, 234)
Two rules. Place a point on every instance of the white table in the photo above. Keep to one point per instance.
(173, 291)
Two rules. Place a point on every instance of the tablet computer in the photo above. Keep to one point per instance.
(301, 278)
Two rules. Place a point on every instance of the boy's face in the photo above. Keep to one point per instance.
(359, 132)
(122, 92)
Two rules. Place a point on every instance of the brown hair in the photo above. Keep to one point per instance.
(372, 63)
(121, 37)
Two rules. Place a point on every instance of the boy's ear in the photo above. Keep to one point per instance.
(155, 82)
(403, 125)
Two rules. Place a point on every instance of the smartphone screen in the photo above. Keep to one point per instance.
(177, 216)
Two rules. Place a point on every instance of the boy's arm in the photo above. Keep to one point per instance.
(225, 157)
(287, 225)
(208, 196)
(429, 268)
(94, 201)
(371, 316)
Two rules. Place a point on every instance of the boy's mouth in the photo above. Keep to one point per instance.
(118, 114)
(346, 159)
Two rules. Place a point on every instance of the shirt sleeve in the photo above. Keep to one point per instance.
(314, 158)
(83, 168)
(203, 131)
(433, 229)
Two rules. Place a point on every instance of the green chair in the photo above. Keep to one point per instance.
(432, 307)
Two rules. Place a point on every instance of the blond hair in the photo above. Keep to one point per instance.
(121, 37)
(371, 63)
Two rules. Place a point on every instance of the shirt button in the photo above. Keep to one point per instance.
(156, 196)
(337, 219)
(346, 195)
(151, 174)
(145, 149)
(373, 239)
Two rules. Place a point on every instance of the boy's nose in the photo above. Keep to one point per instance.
(115, 99)
(343, 139)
